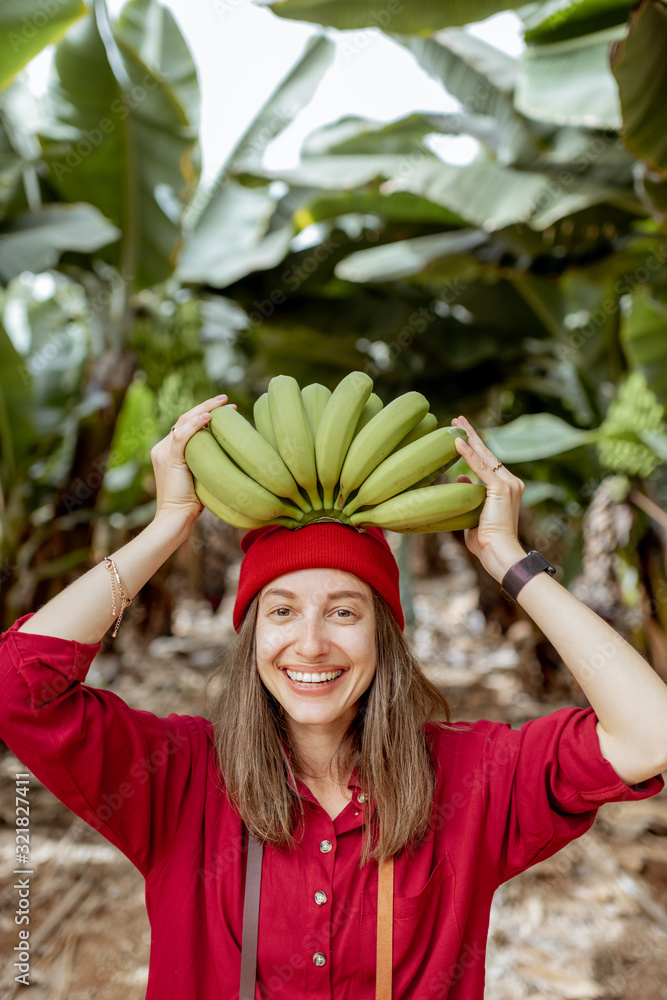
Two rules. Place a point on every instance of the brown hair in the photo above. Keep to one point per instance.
(385, 741)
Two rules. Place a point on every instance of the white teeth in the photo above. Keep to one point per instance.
(309, 678)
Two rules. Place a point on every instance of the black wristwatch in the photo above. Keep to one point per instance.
(523, 571)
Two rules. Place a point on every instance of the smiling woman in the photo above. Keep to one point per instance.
(329, 833)
(323, 683)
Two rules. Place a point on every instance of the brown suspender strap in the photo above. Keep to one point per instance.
(384, 963)
(385, 926)
(253, 881)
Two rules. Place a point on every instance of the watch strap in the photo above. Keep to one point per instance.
(523, 571)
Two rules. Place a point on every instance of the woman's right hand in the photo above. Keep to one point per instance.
(176, 497)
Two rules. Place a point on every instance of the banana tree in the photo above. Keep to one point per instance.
(95, 201)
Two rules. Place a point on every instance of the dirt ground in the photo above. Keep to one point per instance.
(590, 922)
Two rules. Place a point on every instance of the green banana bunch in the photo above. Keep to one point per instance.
(636, 408)
(254, 454)
(427, 506)
(293, 435)
(336, 429)
(315, 398)
(220, 476)
(378, 438)
(408, 466)
(315, 454)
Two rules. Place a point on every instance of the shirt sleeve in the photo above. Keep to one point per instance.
(125, 772)
(545, 783)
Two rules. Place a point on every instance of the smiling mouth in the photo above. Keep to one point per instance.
(323, 677)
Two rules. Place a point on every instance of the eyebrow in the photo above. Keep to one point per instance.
(336, 595)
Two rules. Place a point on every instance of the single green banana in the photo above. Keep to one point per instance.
(262, 418)
(421, 507)
(315, 398)
(432, 476)
(378, 438)
(295, 441)
(425, 426)
(373, 405)
(221, 477)
(336, 429)
(253, 454)
(234, 517)
(456, 523)
(407, 466)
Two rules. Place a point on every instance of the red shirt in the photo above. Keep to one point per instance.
(505, 800)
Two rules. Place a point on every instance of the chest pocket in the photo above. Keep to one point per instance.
(435, 898)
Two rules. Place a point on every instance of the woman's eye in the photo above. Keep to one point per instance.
(343, 611)
(278, 610)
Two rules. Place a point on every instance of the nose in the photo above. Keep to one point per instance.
(311, 640)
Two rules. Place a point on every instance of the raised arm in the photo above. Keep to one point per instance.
(627, 696)
(83, 610)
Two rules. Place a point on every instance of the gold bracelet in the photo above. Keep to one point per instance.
(124, 599)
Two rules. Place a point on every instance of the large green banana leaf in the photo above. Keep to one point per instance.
(482, 78)
(479, 75)
(150, 30)
(488, 195)
(643, 338)
(402, 258)
(234, 230)
(639, 63)
(560, 19)
(534, 436)
(570, 81)
(231, 238)
(292, 94)
(399, 207)
(353, 136)
(27, 26)
(336, 173)
(129, 154)
(418, 17)
(35, 241)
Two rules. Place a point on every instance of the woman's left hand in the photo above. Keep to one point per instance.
(495, 540)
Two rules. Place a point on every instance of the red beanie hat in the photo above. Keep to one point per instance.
(273, 550)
